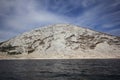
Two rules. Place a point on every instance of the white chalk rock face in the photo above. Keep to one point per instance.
(62, 41)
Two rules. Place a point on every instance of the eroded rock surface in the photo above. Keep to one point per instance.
(62, 41)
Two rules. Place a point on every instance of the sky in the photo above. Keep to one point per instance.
(18, 16)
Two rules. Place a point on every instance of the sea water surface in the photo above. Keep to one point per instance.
(60, 69)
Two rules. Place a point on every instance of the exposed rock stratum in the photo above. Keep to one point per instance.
(61, 41)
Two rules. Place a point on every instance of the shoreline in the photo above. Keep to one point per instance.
(59, 58)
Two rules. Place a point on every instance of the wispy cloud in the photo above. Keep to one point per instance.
(17, 16)
(25, 12)
(115, 32)
(25, 16)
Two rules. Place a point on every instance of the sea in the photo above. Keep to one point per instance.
(60, 69)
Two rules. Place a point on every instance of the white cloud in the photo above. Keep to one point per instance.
(26, 12)
(26, 16)
(115, 32)
(87, 3)
(111, 25)
(23, 15)
(5, 35)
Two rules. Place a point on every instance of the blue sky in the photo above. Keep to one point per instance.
(18, 16)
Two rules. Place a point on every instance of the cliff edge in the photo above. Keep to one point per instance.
(61, 41)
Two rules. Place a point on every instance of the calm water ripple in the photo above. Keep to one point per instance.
(66, 69)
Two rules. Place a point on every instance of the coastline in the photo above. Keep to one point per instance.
(59, 58)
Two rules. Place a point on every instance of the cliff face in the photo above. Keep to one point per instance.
(62, 41)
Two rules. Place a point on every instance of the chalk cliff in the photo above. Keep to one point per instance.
(61, 41)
